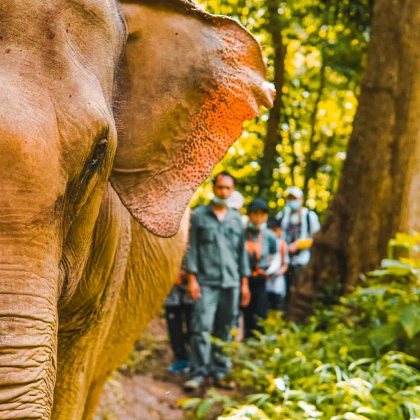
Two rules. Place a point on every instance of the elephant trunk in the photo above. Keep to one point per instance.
(28, 335)
(32, 195)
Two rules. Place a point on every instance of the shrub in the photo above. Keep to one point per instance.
(356, 360)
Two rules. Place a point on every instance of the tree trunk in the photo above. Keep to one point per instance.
(374, 198)
(268, 160)
(312, 166)
(410, 218)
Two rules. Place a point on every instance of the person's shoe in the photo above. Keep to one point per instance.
(193, 384)
(221, 382)
(179, 367)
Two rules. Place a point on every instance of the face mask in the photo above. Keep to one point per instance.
(294, 205)
(218, 201)
(252, 227)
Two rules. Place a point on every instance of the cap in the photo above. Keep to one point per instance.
(236, 200)
(295, 192)
(258, 204)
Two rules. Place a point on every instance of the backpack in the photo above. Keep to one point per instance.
(308, 221)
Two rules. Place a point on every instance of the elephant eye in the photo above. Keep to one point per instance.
(98, 154)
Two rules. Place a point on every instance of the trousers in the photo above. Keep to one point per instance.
(276, 302)
(213, 315)
(258, 306)
(292, 281)
(178, 319)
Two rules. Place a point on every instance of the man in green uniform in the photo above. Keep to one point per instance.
(218, 269)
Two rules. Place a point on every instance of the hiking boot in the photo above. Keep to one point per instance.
(193, 384)
(179, 367)
(221, 382)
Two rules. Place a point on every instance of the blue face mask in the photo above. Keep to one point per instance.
(294, 205)
(218, 201)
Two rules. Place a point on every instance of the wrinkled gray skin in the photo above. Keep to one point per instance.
(79, 276)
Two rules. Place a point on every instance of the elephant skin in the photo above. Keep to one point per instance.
(111, 115)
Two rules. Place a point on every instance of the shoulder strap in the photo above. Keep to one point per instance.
(308, 222)
(281, 218)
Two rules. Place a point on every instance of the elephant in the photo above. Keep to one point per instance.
(112, 113)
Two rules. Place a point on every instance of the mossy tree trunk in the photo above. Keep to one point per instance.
(379, 192)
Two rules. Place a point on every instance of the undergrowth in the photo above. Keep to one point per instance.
(356, 360)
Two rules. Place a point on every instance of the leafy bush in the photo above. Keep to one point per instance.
(356, 360)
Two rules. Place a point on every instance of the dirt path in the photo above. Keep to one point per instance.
(141, 398)
(144, 389)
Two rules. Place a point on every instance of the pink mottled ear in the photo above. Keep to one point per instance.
(188, 81)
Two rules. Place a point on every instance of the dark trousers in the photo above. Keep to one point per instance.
(292, 280)
(258, 306)
(178, 319)
(276, 302)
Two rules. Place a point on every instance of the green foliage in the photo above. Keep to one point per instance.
(324, 43)
(356, 360)
(147, 356)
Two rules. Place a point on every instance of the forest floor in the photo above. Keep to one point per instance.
(143, 389)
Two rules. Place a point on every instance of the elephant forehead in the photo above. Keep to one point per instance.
(57, 77)
(56, 41)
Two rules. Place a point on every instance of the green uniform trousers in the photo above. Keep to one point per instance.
(213, 315)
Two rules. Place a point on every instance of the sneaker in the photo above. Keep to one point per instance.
(221, 382)
(193, 384)
(179, 367)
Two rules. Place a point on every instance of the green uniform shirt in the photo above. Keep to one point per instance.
(216, 251)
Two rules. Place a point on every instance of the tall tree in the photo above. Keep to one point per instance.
(378, 191)
(268, 160)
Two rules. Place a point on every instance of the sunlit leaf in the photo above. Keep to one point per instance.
(410, 319)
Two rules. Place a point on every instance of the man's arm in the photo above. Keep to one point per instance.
(274, 252)
(286, 258)
(244, 270)
(243, 263)
(191, 256)
(191, 260)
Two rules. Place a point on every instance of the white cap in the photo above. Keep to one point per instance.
(236, 200)
(295, 192)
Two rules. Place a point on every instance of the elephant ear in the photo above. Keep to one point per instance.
(187, 82)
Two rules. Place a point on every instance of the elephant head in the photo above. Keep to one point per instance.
(148, 94)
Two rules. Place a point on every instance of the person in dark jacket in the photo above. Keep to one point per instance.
(178, 312)
(262, 247)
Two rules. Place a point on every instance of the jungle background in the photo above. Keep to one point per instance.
(315, 52)
(345, 128)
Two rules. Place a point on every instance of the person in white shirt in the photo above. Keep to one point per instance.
(236, 201)
(299, 224)
(276, 286)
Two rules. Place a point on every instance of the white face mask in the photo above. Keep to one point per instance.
(219, 201)
(294, 205)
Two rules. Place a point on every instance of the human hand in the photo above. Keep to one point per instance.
(245, 294)
(282, 270)
(265, 274)
(293, 247)
(193, 287)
